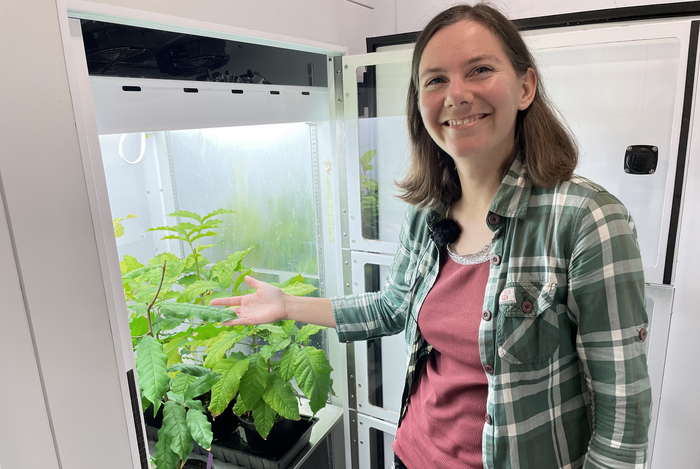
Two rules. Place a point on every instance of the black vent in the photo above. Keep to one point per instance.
(112, 49)
(193, 58)
(118, 50)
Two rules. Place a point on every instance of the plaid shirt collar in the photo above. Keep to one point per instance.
(511, 199)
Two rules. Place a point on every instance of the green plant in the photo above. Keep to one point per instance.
(170, 321)
(259, 379)
(369, 197)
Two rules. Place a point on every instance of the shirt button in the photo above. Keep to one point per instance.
(526, 307)
(643, 334)
(488, 369)
(489, 420)
(494, 219)
(495, 259)
(486, 315)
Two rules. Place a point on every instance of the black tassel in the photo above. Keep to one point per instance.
(445, 232)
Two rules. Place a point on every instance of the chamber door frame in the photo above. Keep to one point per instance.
(364, 405)
(657, 345)
(365, 425)
(352, 149)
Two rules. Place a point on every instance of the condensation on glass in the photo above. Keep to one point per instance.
(264, 173)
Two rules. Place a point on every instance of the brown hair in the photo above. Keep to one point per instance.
(547, 148)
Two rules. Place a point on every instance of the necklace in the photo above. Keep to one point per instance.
(479, 257)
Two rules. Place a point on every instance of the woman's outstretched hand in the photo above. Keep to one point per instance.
(265, 306)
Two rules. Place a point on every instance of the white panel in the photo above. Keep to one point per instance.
(365, 425)
(616, 87)
(163, 105)
(679, 411)
(56, 247)
(659, 300)
(364, 3)
(391, 123)
(26, 441)
(393, 357)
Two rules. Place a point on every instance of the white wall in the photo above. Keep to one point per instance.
(402, 16)
(22, 407)
(54, 244)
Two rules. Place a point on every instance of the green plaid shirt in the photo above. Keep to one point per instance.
(562, 327)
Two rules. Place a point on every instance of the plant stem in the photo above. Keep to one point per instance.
(196, 254)
(148, 310)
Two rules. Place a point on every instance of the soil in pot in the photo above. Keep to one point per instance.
(282, 437)
(196, 464)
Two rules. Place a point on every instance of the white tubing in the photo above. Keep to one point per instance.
(143, 148)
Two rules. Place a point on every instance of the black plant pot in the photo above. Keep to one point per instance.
(223, 426)
(281, 438)
(195, 464)
(236, 449)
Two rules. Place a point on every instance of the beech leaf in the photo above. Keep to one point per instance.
(253, 383)
(220, 346)
(197, 289)
(313, 374)
(186, 214)
(264, 418)
(287, 362)
(175, 420)
(306, 332)
(201, 385)
(192, 370)
(280, 397)
(220, 211)
(165, 456)
(152, 369)
(226, 388)
(199, 428)
(189, 310)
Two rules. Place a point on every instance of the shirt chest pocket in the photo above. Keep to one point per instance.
(528, 325)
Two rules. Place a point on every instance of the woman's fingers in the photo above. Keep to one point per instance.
(230, 301)
(265, 306)
(234, 322)
(253, 282)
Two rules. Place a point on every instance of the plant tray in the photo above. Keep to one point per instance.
(235, 450)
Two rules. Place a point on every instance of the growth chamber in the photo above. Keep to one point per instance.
(303, 146)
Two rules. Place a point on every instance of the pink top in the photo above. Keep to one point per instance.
(445, 417)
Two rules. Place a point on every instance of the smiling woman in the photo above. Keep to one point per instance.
(469, 95)
(518, 285)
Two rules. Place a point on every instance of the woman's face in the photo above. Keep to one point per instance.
(469, 94)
